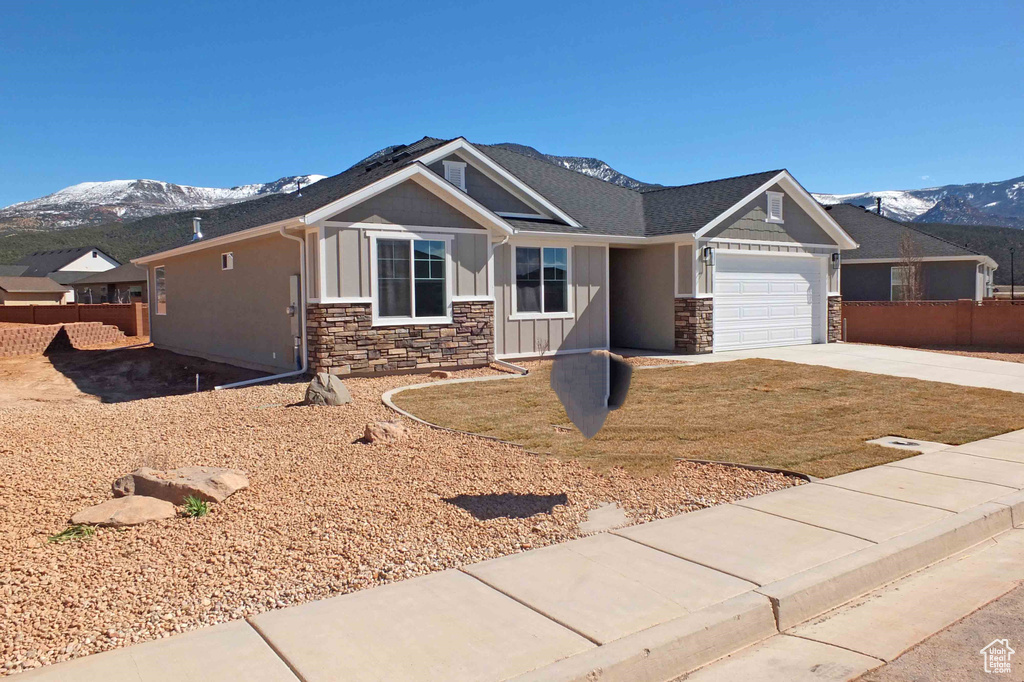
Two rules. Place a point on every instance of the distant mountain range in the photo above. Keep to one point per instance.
(977, 203)
(98, 203)
(129, 218)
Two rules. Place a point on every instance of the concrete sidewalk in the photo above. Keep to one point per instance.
(648, 602)
(899, 362)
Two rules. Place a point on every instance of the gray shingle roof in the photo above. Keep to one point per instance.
(602, 208)
(129, 272)
(879, 237)
(42, 263)
(12, 270)
(688, 208)
(30, 285)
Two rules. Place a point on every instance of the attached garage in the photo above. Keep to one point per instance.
(763, 300)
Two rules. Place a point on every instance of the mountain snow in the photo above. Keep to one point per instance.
(98, 202)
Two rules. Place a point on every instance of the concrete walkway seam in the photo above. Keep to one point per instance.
(813, 592)
(273, 647)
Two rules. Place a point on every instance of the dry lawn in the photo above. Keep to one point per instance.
(797, 417)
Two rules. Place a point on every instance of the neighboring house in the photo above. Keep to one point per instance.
(32, 291)
(446, 253)
(123, 284)
(879, 269)
(66, 266)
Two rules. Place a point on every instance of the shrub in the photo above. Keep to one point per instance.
(195, 507)
(79, 531)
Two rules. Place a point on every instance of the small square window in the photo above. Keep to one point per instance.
(774, 207)
(227, 261)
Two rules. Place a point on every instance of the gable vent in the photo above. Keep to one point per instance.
(455, 173)
(774, 207)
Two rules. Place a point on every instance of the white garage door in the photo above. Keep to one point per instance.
(767, 301)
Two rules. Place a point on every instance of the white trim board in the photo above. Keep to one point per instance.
(251, 233)
(487, 166)
(986, 260)
(798, 194)
(419, 172)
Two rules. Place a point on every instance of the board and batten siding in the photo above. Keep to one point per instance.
(347, 263)
(588, 328)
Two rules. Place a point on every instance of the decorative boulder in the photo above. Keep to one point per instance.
(326, 389)
(211, 484)
(125, 511)
(441, 374)
(378, 431)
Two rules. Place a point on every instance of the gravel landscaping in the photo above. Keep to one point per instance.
(324, 513)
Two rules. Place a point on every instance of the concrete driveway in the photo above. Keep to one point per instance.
(900, 362)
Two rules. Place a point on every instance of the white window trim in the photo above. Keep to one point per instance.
(570, 292)
(229, 264)
(376, 320)
(448, 165)
(156, 291)
(769, 218)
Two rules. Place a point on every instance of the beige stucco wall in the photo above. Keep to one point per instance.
(586, 329)
(20, 298)
(642, 298)
(236, 316)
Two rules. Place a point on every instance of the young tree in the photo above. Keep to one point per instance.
(910, 270)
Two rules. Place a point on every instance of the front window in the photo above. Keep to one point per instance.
(160, 284)
(411, 278)
(542, 280)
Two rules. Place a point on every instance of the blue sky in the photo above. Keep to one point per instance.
(867, 96)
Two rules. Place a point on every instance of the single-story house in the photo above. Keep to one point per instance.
(123, 284)
(447, 253)
(881, 268)
(64, 266)
(32, 291)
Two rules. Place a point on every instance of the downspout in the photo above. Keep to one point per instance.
(302, 322)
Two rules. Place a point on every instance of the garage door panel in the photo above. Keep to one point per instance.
(766, 301)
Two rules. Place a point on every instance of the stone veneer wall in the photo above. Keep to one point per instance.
(694, 331)
(835, 319)
(343, 340)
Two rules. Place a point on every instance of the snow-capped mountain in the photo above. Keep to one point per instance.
(979, 203)
(95, 203)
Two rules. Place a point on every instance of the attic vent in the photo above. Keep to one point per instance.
(371, 166)
(774, 207)
(398, 157)
(455, 173)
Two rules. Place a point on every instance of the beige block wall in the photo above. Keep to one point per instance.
(236, 316)
(19, 298)
(586, 329)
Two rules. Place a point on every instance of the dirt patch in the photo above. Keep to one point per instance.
(324, 515)
(98, 375)
(762, 412)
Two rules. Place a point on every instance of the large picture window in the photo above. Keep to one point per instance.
(411, 278)
(542, 279)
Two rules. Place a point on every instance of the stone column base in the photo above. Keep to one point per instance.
(835, 319)
(694, 329)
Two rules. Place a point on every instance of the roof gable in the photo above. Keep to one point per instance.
(42, 263)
